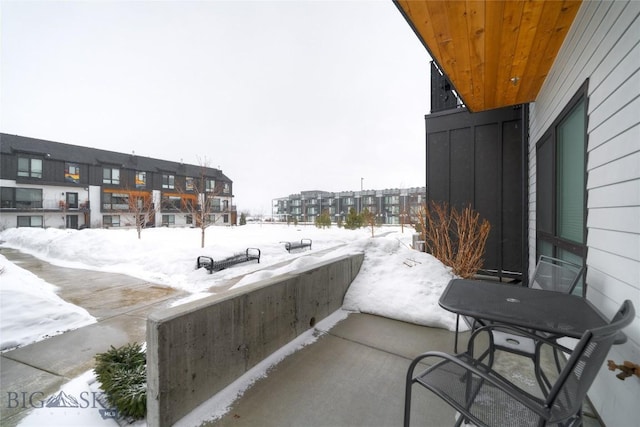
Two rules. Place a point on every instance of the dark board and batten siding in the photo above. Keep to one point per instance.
(476, 159)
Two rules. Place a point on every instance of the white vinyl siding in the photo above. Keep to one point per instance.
(603, 46)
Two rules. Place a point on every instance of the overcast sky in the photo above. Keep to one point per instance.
(283, 96)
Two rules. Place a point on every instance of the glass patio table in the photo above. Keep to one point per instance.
(555, 313)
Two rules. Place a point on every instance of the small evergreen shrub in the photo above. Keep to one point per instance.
(354, 220)
(123, 375)
(323, 220)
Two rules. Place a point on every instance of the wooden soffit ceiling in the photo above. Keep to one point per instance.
(495, 53)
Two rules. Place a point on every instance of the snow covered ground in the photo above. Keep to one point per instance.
(395, 281)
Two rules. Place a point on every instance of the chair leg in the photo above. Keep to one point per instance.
(455, 343)
(407, 397)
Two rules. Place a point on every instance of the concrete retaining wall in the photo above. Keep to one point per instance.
(196, 349)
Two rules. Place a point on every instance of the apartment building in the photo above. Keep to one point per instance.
(390, 206)
(52, 184)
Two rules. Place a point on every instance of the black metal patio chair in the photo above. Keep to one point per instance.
(484, 397)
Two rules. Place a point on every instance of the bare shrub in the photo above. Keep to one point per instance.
(457, 238)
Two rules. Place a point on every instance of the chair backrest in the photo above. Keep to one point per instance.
(567, 394)
(554, 274)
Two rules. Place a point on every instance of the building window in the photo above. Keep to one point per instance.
(189, 183)
(111, 220)
(30, 221)
(30, 167)
(141, 180)
(115, 201)
(168, 220)
(72, 172)
(21, 198)
(168, 181)
(171, 203)
(189, 219)
(227, 188)
(7, 197)
(561, 185)
(111, 176)
(210, 185)
(72, 200)
(391, 200)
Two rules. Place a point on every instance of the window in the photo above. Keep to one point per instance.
(171, 203)
(115, 201)
(189, 183)
(141, 180)
(111, 220)
(168, 220)
(189, 219)
(30, 167)
(111, 176)
(72, 172)
(21, 198)
(227, 188)
(225, 218)
(215, 204)
(168, 181)
(7, 198)
(30, 221)
(72, 200)
(210, 184)
(561, 185)
(391, 200)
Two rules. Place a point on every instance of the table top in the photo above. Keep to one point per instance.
(546, 311)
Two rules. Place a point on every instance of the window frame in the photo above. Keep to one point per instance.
(24, 203)
(168, 181)
(31, 218)
(548, 239)
(108, 203)
(111, 222)
(140, 180)
(30, 171)
(168, 220)
(71, 170)
(110, 179)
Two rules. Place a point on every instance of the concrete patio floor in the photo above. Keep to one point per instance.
(352, 375)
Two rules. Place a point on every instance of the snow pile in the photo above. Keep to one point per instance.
(31, 310)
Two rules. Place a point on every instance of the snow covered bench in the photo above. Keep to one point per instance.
(304, 243)
(210, 264)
